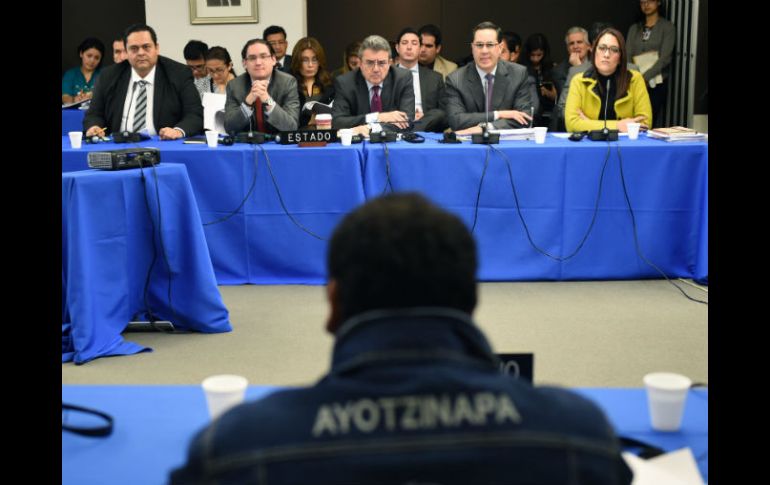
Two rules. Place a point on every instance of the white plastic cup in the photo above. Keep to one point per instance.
(76, 139)
(540, 132)
(633, 130)
(212, 138)
(346, 136)
(323, 121)
(666, 396)
(223, 392)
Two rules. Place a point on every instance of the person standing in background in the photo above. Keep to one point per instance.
(653, 33)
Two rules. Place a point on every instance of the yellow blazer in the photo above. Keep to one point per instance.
(582, 96)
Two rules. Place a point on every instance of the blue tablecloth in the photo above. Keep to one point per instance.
(154, 424)
(72, 120)
(557, 185)
(108, 244)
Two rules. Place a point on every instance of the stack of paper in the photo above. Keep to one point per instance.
(676, 133)
(516, 134)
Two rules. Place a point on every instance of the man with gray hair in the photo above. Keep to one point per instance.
(576, 40)
(374, 97)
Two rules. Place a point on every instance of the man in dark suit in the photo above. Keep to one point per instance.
(147, 93)
(428, 84)
(373, 97)
(262, 98)
(467, 99)
(276, 37)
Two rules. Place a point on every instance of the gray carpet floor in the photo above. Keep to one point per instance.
(583, 334)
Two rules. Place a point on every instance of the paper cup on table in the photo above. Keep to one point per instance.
(633, 130)
(212, 138)
(346, 136)
(666, 396)
(223, 392)
(323, 121)
(540, 134)
(76, 139)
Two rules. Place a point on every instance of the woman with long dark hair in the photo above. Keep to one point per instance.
(589, 100)
(308, 65)
(653, 33)
(537, 58)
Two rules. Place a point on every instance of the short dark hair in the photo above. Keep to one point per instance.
(433, 30)
(251, 42)
(139, 28)
(487, 25)
(407, 30)
(273, 29)
(195, 49)
(512, 40)
(401, 251)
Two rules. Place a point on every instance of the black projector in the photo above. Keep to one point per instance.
(123, 159)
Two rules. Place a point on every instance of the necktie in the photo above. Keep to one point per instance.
(259, 115)
(140, 112)
(490, 85)
(376, 104)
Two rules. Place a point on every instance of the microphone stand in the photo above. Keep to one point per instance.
(485, 137)
(604, 134)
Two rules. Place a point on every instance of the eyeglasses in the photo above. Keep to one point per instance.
(199, 68)
(604, 48)
(370, 64)
(481, 45)
(261, 57)
(312, 61)
(218, 70)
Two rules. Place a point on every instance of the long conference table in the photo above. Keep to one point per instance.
(533, 199)
(154, 425)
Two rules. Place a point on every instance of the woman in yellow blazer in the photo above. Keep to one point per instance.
(628, 98)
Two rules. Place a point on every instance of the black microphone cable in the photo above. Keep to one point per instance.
(524, 223)
(280, 198)
(245, 198)
(478, 193)
(636, 236)
(388, 182)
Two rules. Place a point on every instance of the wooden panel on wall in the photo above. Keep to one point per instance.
(103, 20)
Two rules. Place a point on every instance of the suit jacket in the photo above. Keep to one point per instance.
(286, 64)
(444, 66)
(431, 90)
(176, 100)
(285, 114)
(465, 103)
(351, 97)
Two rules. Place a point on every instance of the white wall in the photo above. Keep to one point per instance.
(171, 21)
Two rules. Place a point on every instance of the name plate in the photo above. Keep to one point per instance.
(306, 136)
(518, 366)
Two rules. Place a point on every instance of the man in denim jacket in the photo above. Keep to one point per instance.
(414, 394)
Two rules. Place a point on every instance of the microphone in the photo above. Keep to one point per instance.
(604, 134)
(485, 137)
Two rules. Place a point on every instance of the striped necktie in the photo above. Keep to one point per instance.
(140, 113)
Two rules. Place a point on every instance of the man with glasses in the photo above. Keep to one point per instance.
(150, 94)
(488, 90)
(262, 98)
(374, 97)
(427, 83)
(276, 37)
(195, 57)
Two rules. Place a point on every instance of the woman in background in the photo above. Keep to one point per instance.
(78, 82)
(220, 68)
(537, 58)
(655, 34)
(589, 99)
(350, 59)
(308, 65)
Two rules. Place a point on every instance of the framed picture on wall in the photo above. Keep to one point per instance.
(223, 11)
